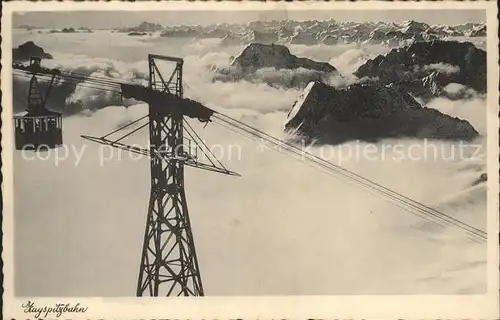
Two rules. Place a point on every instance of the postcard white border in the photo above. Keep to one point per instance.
(290, 307)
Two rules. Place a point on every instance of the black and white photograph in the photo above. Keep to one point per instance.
(175, 153)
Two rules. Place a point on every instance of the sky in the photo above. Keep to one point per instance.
(117, 19)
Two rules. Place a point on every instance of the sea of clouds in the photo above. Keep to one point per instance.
(282, 228)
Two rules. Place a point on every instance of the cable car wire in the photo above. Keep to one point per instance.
(410, 204)
(230, 123)
(438, 223)
(70, 81)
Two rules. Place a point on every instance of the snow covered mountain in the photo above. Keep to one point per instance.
(274, 65)
(143, 27)
(257, 56)
(316, 32)
(426, 68)
(368, 112)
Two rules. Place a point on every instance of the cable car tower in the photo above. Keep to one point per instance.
(168, 255)
(169, 265)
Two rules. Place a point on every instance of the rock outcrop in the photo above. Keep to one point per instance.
(137, 33)
(456, 62)
(257, 56)
(84, 30)
(369, 112)
(69, 30)
(27, 50)
(275, 66)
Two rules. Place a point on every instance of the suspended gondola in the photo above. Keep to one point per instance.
(37, 127)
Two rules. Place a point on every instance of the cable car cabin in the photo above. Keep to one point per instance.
(37, 128)
(38, 132)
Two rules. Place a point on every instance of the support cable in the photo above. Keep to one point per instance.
(204, 145)
(407, 202)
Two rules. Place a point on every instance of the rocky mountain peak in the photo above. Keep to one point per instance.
(368, 112)
(257, 55)
(27, 50)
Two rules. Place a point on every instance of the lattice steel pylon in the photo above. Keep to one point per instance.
(169, 265)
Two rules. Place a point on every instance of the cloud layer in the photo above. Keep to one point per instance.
(253, 234)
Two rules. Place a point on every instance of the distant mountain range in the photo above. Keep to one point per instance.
(315, 32)
(382, 107)
(71, 30)
(329, 32)
(386, 107)
(425, 69)
(144, 27)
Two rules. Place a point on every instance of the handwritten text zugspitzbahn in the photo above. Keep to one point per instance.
(57, 309)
